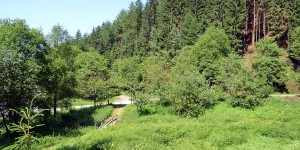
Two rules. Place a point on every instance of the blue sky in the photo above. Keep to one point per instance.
(71, 14)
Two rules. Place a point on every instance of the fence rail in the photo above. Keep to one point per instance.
(110, 122)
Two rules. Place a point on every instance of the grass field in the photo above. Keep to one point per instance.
(275, 125)
(80, 102)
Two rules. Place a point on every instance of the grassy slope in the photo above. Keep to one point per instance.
(275, 125)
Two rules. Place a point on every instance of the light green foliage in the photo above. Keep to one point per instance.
(212, 45)
(294, 47)
(227, 69)
(141, 100)
(190, 95)
(189, 30)
(126, 73)
(185, 64)
(155, 72)
(58, 35)
(27, 122)
(268, 47)
(91, 74)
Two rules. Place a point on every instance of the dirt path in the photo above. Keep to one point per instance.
(291, 97)
(119, 106)
(285, 95)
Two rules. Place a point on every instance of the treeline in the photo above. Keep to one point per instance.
(172, 25)
(186, 52)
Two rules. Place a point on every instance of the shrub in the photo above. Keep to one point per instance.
(273, 69)
(141, 100)
(268, 47)
(190, 95)
(248, 91)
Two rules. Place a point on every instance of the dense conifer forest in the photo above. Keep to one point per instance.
(190, 55)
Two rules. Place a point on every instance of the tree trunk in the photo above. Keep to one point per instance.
(264, 24)
(254, 23)
(259, 17)
(256, 27)
(95, 98)
(55, 96)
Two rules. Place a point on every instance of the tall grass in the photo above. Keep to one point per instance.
(275, 125)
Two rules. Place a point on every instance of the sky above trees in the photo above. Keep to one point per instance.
(72, 14)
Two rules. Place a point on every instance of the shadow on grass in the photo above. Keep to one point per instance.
(66, 123)
(102, 145)
(118, 105)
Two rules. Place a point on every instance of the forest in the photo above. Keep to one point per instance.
(194, 56)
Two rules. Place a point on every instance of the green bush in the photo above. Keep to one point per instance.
(268, 47)
(247, 90)
(190, 95)
(273, 69)
(141, 100)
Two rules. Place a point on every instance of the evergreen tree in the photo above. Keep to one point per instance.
(189, 30)
(294, 47)
(78, 35)
(235, 23)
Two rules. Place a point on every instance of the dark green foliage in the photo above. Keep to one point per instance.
(183, 52)
(294, 47)
(273, 69)
(71, 119)
(189, 30)
(234, 23)
(22, 58)
(269, 65)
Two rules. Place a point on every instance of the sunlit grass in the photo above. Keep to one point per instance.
(272, 126)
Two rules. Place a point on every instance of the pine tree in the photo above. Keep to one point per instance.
(235, 23)
(78, 35)
(189, 30)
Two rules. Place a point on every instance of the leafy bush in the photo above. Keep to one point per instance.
(190, 95)
(248, 91)
(268, 47)
(212, 45)
(273, 69)
(141, 100)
